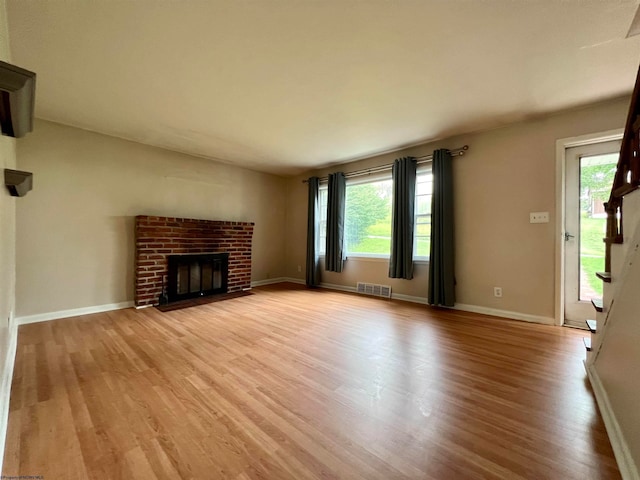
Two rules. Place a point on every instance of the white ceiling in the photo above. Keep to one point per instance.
(284, 85)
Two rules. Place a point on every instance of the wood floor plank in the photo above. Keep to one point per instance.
(291, 383)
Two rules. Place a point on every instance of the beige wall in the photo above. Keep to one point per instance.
(75, 230)
(7, 254)
(506, 174)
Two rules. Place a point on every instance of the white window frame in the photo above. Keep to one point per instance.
(323, 191)
(322, 216)
(361, 180)
(422, 170)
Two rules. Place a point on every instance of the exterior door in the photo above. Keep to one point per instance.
(588, 178)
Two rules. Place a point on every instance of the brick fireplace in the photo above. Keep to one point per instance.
(159, 237)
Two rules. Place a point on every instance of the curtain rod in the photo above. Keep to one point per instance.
(457, 152)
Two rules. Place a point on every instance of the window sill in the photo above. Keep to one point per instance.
(378, 259)
(368, 258)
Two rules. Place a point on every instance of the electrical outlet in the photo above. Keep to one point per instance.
(497, 292)
(539, 217)
(299, 268)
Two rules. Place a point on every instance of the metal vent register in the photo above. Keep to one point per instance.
(374, 289)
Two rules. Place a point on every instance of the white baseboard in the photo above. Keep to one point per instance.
(525, 317)
(5, 387)
(267, 281)
(43, 317)
(341, 288)
(394, 296)
(423, 300)
(626, 465)
(271, 281)
(459, 306)
(409, 298)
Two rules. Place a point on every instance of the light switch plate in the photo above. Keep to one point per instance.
(539, 217)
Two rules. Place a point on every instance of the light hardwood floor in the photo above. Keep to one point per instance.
(291, 383)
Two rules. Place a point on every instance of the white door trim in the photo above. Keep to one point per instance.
(561, 146)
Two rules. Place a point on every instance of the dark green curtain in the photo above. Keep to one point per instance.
(441, 258)
(313, 272)
(402, 218)
(335, 222)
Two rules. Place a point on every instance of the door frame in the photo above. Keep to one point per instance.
(562, 145)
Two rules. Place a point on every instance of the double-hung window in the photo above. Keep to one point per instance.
(368, 216)
(367, 223)
(422, 228)
(367, 219)
(323, 192)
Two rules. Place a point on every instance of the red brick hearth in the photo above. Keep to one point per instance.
(159, 237)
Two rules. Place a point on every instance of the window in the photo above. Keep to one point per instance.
(368, 216)
(367, 220)
(367, 224)
(422, 229)
(322, 219)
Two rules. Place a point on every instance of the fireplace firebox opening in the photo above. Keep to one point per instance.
(196, 275)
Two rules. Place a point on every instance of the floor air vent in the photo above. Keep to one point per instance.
(374, 289)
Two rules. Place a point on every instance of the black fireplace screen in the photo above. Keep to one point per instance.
(197, 275)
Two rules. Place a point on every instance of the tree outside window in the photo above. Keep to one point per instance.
(368, 218)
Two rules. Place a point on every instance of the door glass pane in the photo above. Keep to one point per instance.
(596, 178)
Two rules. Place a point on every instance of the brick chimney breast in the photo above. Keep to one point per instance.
(159, 237)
